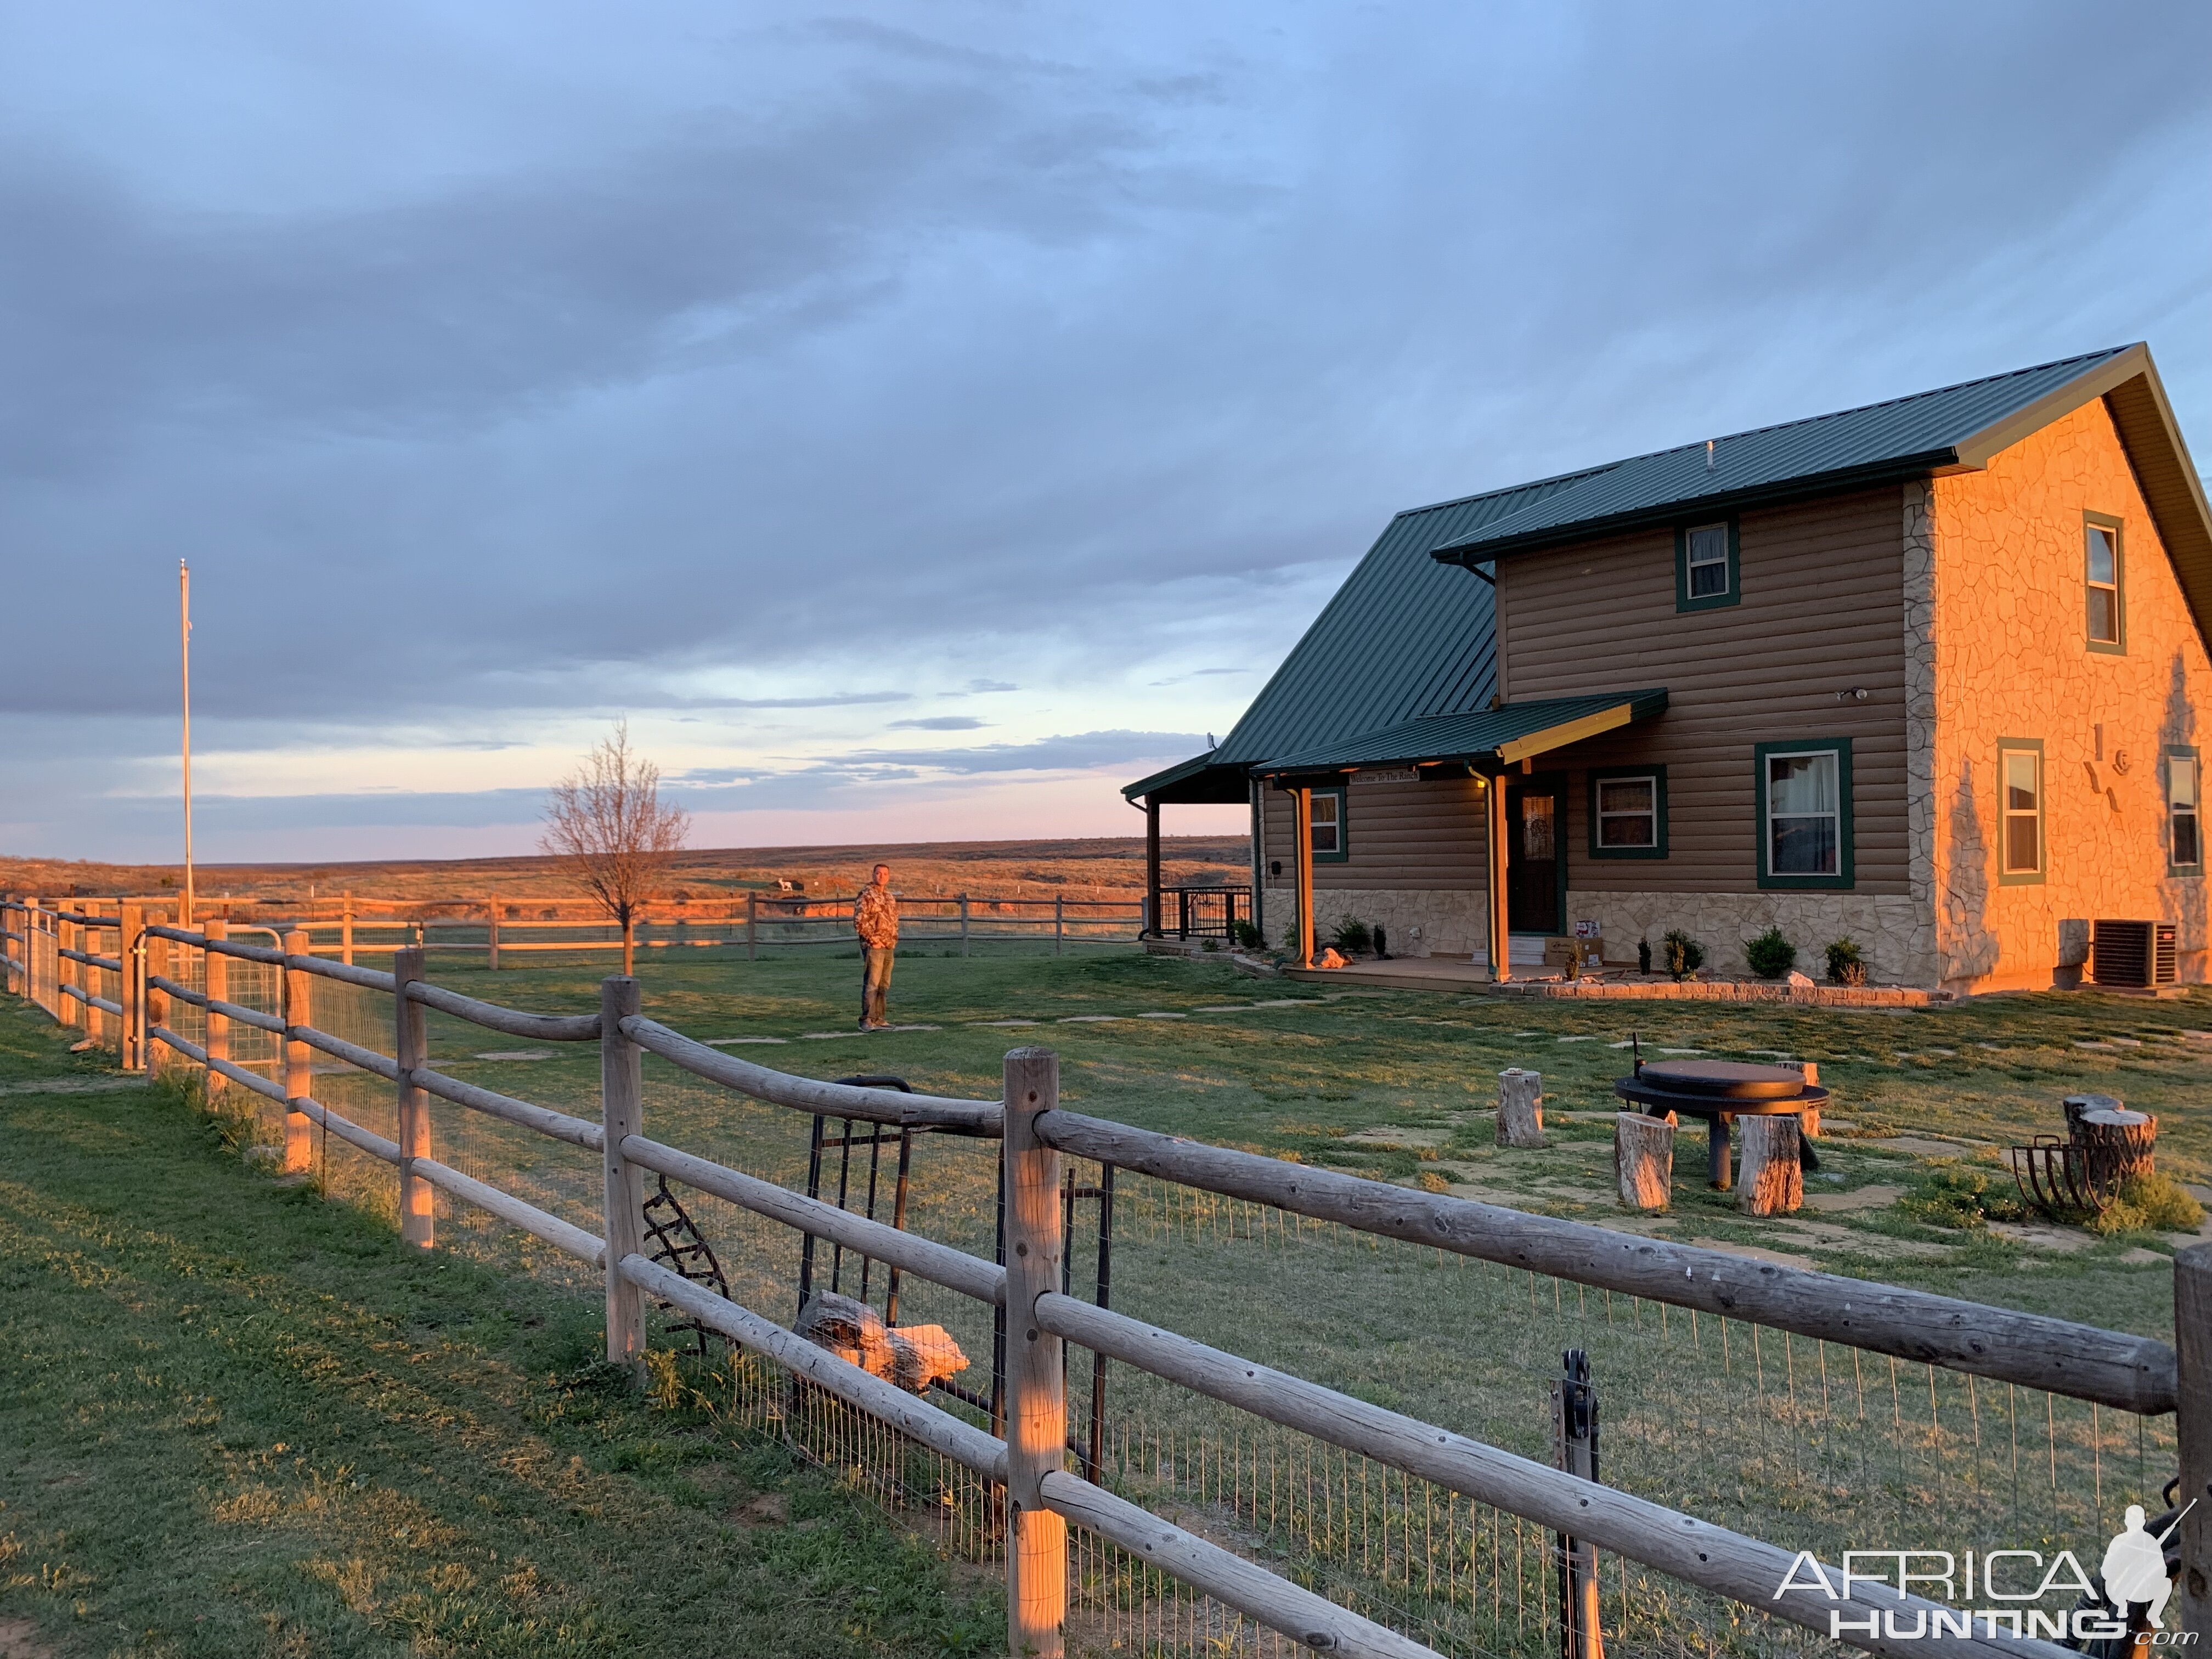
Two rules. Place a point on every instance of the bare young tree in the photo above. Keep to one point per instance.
(606, 822)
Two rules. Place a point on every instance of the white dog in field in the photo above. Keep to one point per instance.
(2135, 1569)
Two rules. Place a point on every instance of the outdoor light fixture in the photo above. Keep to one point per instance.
(1857, 693)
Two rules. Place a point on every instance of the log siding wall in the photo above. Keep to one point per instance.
(1822, 612)
(1406, 837)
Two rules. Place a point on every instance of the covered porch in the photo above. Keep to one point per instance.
(1186, 913)
(1497, 749)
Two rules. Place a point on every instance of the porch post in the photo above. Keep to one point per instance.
(1152, 922)
(1302, 799)
(1501, 947)
(1256, 790)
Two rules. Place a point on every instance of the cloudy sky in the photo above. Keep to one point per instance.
(918, 421)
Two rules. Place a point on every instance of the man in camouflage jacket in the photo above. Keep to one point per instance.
(875, 919)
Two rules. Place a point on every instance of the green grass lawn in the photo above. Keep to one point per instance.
(235, 1420)
(238, 1421)
(1397, 1085)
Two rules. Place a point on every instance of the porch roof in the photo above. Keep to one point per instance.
(1492, 738)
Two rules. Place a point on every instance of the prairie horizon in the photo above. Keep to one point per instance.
(1100, 863)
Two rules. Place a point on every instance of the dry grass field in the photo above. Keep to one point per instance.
(1808, 1444)
(1096, 868)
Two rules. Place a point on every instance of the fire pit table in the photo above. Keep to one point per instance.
(1720, 1091)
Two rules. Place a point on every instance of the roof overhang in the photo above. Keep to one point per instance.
(1894, 469)
(1455, 745)
(1199, 781)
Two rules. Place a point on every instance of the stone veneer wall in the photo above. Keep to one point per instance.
(1922, 966)
(2008, 603)
(1453, 921)
(1893, 935)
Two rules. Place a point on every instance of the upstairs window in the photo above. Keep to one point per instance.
(1705, 566)
(2020, 810)
(1708, 571)
(2103, 569)
(2184, 846)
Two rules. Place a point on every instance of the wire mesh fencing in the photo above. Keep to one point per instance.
(1807, 1443)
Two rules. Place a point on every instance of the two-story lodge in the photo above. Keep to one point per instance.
(1928, 674)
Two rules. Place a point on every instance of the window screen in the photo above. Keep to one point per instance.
(1709, 560)
(2187, 846)
(1804, 814)
(1628, 811)
(2023, 811)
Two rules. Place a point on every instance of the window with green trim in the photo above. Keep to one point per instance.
(2104, 569)
(2021, 842)
(2185, 838)
(1329, 845)
(1804, 799)
(1707, 561)
(1628, 812)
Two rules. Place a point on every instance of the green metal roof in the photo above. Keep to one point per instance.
(1492, 737)
(1405, 637)
(1410, 635)
(1905, 437)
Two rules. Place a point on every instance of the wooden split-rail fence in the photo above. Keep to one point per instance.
(503, 925)
(1041, 1495)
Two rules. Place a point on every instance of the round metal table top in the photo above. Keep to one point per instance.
(1646, 1093)
(1726, 1078)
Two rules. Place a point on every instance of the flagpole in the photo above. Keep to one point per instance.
(184, 654)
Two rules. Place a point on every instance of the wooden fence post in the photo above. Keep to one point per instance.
(963, 924)
(95, 1021)
(1036, 1381)
(622, 1111)
(1059, 923)
(345, 931)
(214, 980)
(299, 1075)
(154, 951)
(752, 917)
(130, 949)
(68, 1010)
(418, 1224)
(491, 936)
(2192, 1343)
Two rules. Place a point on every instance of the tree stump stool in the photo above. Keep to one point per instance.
(2117, 1145)
(1642, 1160)
(1771, 1181)
(2074, 1105)
(1520, 1107)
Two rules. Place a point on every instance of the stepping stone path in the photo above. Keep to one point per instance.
(2037, 1235)
(1921, 1146)
(1865, 1198)
(1392, 1139)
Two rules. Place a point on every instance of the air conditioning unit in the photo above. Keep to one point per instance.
(2135, 953)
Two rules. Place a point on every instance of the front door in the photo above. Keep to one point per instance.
(1535, 828)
